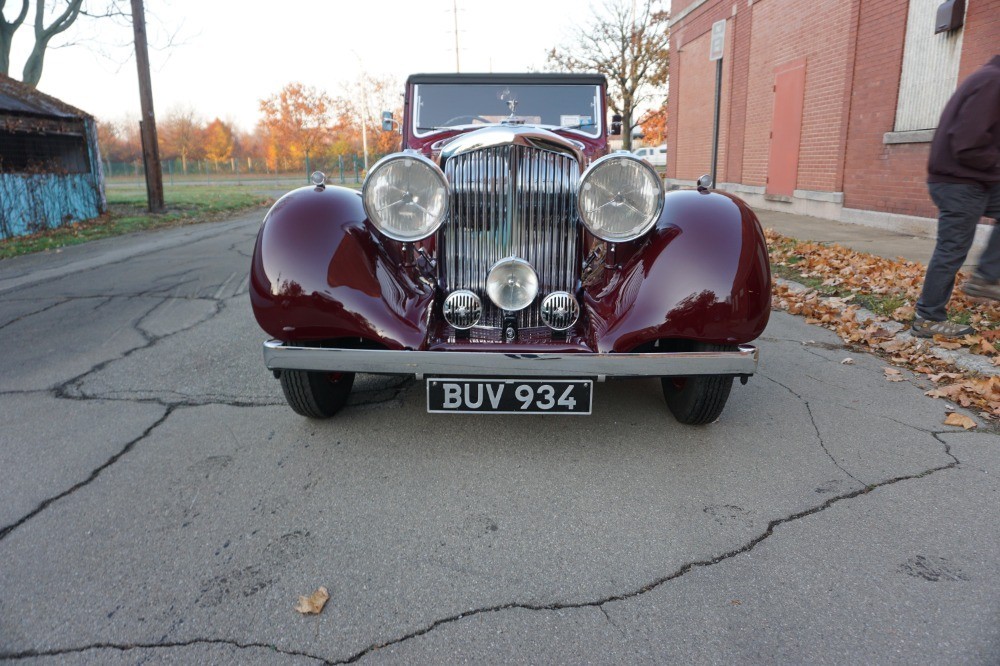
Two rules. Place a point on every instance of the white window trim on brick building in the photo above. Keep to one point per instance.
(929, 74)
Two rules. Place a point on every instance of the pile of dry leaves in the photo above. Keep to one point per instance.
(843, 275)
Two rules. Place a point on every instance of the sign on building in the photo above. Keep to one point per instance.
(718, 40)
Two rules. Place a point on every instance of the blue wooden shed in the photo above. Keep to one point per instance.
(50, 165)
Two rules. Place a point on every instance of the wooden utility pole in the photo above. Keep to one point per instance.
(150, 146)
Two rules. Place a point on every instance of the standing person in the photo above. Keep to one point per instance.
(964, 182)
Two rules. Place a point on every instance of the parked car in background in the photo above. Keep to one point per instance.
(508, 258)
(655, 155)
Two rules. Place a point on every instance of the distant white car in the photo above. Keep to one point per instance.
(655, 155)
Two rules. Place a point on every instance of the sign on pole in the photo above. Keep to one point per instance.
(718, 40)
(715, 53)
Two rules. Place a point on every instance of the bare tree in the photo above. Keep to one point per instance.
(627, 41)
(7, 30)
(360, 108)
(51, 18)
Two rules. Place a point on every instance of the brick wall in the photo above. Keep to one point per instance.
(784, 30)
(695, 91)
(982, 35)
(881, 177)
(891, 177)
(696, 109)
(853, 51)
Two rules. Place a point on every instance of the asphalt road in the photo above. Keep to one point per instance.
(159, 502)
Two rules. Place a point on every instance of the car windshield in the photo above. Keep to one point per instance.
(438, 105)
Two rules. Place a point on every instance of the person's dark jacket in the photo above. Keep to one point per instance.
(966, 146)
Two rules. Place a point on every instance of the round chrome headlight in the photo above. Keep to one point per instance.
(406, 196)
(512, 284)
(620, 198)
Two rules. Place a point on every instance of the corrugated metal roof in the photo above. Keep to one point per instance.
(16, 97)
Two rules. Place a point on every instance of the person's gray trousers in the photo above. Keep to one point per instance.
(960, 206)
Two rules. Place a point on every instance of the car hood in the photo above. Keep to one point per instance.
(518, 135)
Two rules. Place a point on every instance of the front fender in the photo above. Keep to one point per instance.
(703, 274)
(320, 273)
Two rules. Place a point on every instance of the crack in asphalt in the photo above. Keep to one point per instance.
(32, 314)
(599, 604)
(44, 504)
(126, 647)
(679, 572)
(819, 436)
(71, 389)
(62, 391)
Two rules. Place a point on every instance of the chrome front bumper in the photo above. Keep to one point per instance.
(278, 356)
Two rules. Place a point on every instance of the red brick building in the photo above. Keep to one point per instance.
(828, 106)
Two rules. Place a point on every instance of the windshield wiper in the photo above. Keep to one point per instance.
(571, 127)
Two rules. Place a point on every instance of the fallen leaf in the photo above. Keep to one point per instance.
(985, 348)
(892, 375)
(847, 361)
(944, 375)
(904, 313)
(956, 419)
(314, 602)
(944, 344)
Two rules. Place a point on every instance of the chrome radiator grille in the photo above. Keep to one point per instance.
(510, 200)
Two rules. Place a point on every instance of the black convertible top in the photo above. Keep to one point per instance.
(522, 78)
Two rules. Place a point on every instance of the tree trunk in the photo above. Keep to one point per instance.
(33, 66)
(7, 30)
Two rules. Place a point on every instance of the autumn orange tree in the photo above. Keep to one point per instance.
(654, 126)
(296, 122)
(218, 141)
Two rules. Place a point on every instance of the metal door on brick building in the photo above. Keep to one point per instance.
(786, 128)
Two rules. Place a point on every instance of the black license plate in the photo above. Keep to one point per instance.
(509, 396)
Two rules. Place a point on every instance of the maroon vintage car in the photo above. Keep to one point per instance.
(508, 258)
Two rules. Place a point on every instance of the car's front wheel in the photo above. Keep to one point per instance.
(318, 395)
(699, 399)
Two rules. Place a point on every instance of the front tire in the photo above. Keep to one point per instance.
(317, 395)
(699, 399)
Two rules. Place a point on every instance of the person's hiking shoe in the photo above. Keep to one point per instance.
(982, 288)
(925, 328)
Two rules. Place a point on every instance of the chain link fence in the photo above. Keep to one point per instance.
(343, 169)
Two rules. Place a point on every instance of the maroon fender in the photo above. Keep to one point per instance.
(319, 273)
(701, 274)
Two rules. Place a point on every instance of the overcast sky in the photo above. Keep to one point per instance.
(231, 53)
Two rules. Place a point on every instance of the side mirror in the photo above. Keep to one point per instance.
(387, 121)
(616, 125)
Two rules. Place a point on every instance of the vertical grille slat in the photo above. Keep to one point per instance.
(510, 200)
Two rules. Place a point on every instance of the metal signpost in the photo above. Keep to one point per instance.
(715, 53)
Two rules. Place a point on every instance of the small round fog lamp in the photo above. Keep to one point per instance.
(512, 284)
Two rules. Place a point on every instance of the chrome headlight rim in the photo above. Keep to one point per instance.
(471, 299)
(374, 218)
(660, 196)
(572, 315)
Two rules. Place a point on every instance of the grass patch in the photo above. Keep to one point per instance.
(881, 305)
(127, 213)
